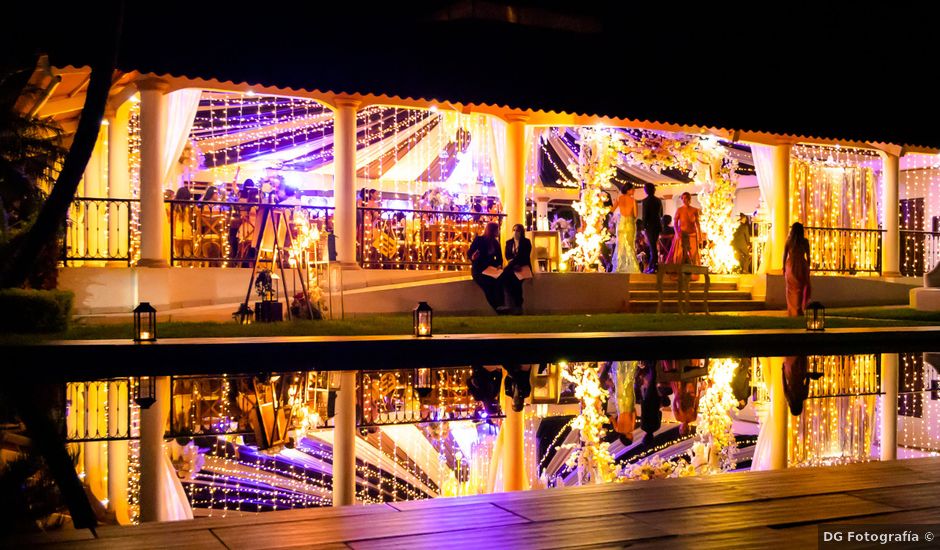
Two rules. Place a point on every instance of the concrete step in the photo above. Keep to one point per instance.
(695, 285)
(694, 294)
(649, 306)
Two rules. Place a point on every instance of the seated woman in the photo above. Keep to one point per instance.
(485, 254)
(518, 268)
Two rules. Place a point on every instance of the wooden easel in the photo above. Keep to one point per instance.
(279, 243)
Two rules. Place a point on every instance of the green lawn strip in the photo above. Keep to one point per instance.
(901, 313)
(401, 325)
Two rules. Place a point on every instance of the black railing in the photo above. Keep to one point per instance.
(418, 239)
(920, 252)
(844, 250)
(225, 234)
(99, 230)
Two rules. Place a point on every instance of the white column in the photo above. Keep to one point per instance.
(778, 416)
(119, 181)
(780, 206)
(889, 406)
(153, 119)
(890, 244)
(514, 189)
(152, 474)
(344, 441)
(118, 424)
(344, 179)
(512, 460)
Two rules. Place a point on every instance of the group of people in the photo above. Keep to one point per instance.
(644, 243)
(502, 285)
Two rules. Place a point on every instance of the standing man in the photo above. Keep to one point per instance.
(652, 217)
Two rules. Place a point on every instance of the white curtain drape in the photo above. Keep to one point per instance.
(496, 130)
(763, 166)
(181, 111)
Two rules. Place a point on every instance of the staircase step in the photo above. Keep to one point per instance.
(695, 285)
(649, 306)
(694, 294)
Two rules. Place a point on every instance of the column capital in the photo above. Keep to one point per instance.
(153, 84)
(346, 101)
(110, 113)
(516, 117)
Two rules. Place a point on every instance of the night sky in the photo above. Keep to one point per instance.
(863, 74)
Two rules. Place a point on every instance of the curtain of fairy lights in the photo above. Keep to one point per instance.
(918, 407)
(919, 213)
(838, 420)
(834, 187)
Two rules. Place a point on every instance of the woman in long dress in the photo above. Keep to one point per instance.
(625, 261)
(796, 270)
(685, 244)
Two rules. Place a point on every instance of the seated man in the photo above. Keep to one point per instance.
(519, 268)
(486, 260)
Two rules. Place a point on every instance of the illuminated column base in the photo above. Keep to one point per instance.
(344, 441)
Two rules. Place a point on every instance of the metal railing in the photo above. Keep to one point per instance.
(224, 234)
(418, 239)
(920, 252)
(99, 230)
(844, 250)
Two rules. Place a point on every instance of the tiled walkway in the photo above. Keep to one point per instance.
(741, 510)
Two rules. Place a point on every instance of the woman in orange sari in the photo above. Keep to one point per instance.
(688, 234)
(796, 270)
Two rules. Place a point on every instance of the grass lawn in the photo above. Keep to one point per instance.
(401, 324)
(899, 313)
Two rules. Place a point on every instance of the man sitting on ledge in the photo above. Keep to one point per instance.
(518, 268)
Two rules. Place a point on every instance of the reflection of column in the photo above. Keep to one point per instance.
(344, 179)
(780, 162)
(94, 454)
(153, 119)
(514, 187)
(152, 473)
(119, 181)
(118, 425)
(889, 406)
(344, 441)
(778, 415)
(890, 245)
(513, 455)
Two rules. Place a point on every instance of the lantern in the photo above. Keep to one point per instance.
(422, 319)
(145, 323)
(815, 317)
(244, 315)
(422, 382)
(145, 394)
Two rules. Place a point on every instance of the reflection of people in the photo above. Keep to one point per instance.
(651, 416)
(796, 270)
(518, 384)
(685, 403)
(688, 234)
(623, 399)
(652, 212)
(484, 253)
(626, 232)
(796, 382)
(518, 268)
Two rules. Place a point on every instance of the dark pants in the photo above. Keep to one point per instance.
(513, 287)
(652, 235)
(492, 289)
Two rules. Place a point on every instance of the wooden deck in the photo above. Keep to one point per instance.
(739, 510)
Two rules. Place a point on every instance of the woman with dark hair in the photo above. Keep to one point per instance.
(796, 270)
(486, 263)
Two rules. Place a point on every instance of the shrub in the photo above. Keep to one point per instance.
(35, 310)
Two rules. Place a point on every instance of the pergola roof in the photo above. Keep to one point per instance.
(749, 87)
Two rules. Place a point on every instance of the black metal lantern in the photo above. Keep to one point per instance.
(422, 382)
(815, 317)
(244, 315)
(145, 394)
(423, 316)
(145, 323)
